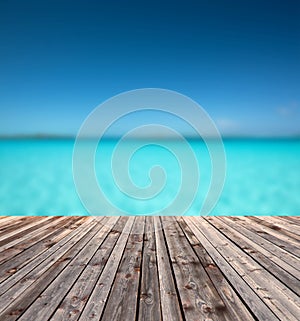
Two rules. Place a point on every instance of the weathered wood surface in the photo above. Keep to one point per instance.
(149, 268)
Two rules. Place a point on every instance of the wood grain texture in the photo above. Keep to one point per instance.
(149, 268)
(149, 299)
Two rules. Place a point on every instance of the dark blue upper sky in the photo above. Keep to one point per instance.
(239, 59)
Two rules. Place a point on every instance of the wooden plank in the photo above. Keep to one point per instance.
(15, 219)
(7, 220)
(261, 311)
(260, 245)
(149, 300)
(289, 244)
(168, 294)
(59, 245)
(291, 219)
(90, 268)
(280, 232)
(281, 253)
(16, 246)
(15, 223)
(283, 302)
(74, 302)
(236, 309)
(257, 253)
(17, 230)
(292, 228)
(12, 243)
(200, 299)
(12, 266)
(123, 298)
(95, 305)
(49, 300)
(21, 295)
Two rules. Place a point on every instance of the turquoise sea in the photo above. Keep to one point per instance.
(262, 178)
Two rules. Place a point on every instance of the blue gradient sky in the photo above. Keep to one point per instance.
(239, 59)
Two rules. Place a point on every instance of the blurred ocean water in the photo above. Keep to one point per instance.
(262, 178)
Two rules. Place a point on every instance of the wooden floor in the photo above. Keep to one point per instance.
(149, 268)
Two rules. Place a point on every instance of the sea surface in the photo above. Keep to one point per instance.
(262, 178)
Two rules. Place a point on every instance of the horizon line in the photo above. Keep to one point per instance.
(114, 137)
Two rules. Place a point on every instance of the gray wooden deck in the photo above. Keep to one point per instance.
(149, 268)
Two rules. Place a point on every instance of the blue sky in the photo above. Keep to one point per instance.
(239, 59)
